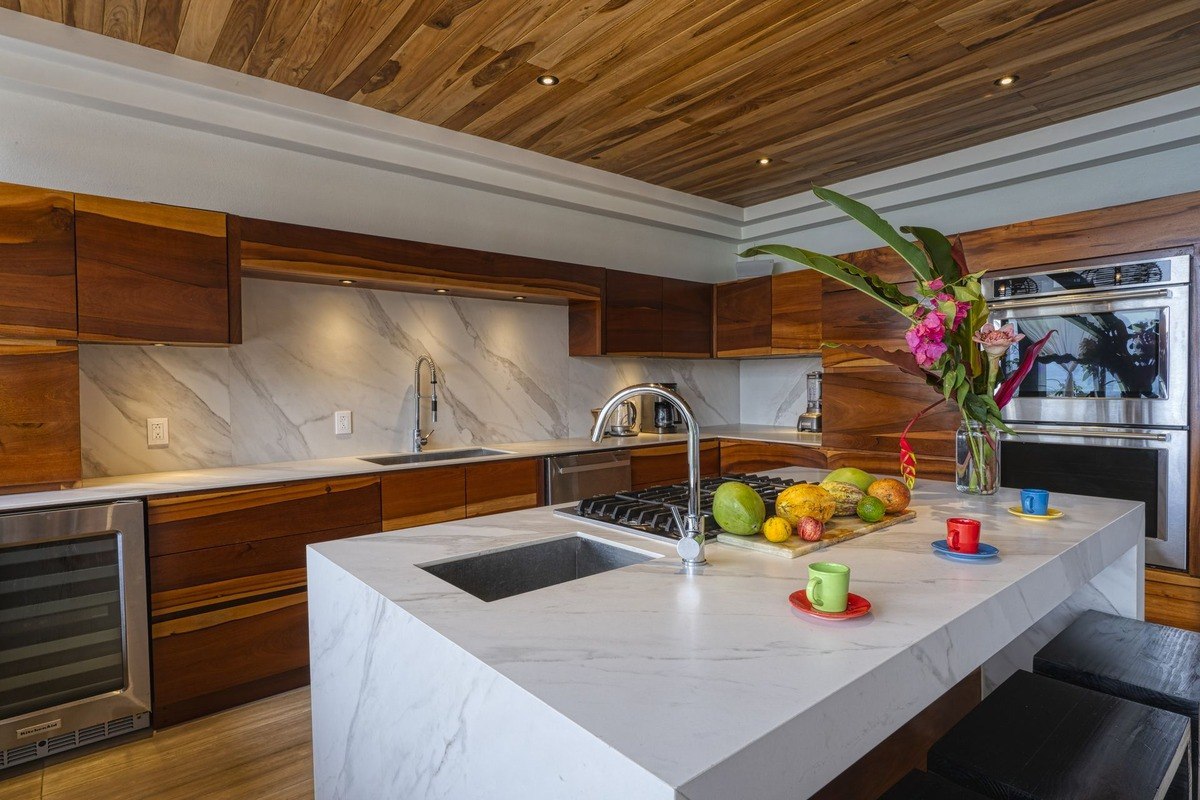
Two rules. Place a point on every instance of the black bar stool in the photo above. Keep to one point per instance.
(1035, 738)
(918, 785)
(1140, 661)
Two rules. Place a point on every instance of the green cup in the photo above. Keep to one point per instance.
(828, 587)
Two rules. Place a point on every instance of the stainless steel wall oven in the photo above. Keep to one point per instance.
(1104, 411)
(74, 646)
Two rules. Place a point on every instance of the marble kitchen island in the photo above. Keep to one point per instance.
(646, 682)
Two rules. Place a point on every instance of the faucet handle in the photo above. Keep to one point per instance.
(675, 512)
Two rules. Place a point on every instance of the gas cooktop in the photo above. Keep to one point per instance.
(647, 512)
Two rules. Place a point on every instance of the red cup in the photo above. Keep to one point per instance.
(962, 534)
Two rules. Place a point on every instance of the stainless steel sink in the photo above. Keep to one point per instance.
(528, 567)
(434, 455)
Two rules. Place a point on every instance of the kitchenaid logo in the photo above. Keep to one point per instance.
(39, 729)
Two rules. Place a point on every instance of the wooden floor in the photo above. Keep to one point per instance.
(262, 751)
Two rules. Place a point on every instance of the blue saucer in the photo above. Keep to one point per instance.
(986, 551)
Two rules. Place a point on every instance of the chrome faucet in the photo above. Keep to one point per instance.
(419, 440)
(691, 543)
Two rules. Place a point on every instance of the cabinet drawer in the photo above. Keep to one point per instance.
(181, 523)
(659, 466)
(741, 457)
(423, 496)
(499, 486)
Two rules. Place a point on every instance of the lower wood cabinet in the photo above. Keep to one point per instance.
(666, 464)
(39, 416)
(228, 592)
(743, 457)
(441, 494)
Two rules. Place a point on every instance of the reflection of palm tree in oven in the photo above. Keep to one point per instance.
(1128, 352)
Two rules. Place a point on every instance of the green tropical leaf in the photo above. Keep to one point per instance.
(843, 271)
(939, 249)
(866, 216)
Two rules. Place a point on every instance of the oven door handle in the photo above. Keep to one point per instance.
(1146, 437)
(1064, 300)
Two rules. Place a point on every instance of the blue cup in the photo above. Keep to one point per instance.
(1035, 501)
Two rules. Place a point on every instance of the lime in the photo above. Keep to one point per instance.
(871, 509)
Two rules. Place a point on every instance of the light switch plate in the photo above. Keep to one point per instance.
(343, 423)
(157, 432)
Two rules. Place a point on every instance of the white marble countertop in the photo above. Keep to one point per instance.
(95, 490)
(709, 681)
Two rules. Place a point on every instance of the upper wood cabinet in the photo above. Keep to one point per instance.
(774, 315)
(645, 315)
(633, 314)
(154, 273)
(687, 319)
(37, 263)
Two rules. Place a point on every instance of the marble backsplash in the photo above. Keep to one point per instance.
(309, 351)
(774, 391)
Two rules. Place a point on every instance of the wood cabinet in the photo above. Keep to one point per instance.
(39, 416)
(772, 315)
(687, 319)
(744, 457)
(647, 315)
(154, 273)
(633, 314)
(37, 263)
(429, 495)
(493, 487)
(661, 465)
(228, 592)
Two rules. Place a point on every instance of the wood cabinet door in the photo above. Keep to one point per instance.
(663, 465)
(228, 591)
(686, 318)
(37, 263)
(796, 312)
(742, 457)
(151, 273)
(633, 309)
(497, 486)
(39, 416)
(742, 318)
(423, 496)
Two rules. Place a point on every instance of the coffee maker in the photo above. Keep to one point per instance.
(810, 420)
(666, 416)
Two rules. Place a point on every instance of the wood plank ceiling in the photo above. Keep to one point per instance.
(689, 95)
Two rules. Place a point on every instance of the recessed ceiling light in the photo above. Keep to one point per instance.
(548, 80)
(1007, 80)
(441, 291)
(160, 344)
(346, 282)
(518, 297)
(762, 162)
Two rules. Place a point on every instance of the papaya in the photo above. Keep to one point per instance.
(805, 500)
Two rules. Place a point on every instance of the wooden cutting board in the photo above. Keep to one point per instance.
(838, 529)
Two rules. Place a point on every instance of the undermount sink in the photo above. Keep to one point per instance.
(434, 455)
(528, 567)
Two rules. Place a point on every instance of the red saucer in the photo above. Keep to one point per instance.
(856, 606)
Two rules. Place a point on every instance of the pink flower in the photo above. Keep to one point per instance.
(996, 341)
(935, 285)
(961, 308)
(926, 339)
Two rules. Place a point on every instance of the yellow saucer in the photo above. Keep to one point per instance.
(1051, 513)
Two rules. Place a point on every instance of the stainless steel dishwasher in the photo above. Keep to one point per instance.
(580, 475)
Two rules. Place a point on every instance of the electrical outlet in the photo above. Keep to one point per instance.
(343, 423)
(157, 433)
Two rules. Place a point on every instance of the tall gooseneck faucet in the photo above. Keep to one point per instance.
(691, 543)
(419, 439)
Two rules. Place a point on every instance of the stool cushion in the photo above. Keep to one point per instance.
(918, 785)
(1035, 738)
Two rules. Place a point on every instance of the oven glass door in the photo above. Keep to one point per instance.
(60, 609)
(1107, 363)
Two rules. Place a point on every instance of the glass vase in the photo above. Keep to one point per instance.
(977, 458)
